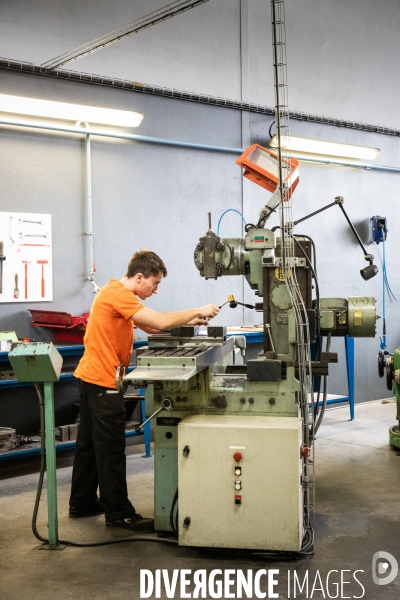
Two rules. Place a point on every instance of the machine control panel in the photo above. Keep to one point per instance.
(238, 456)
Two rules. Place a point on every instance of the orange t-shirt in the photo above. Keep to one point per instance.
(109, 335)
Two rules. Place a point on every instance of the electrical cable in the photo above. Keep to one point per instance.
(384, 269)
(136, 538)
(307, 549)
(318, 311)
(171, 514)
(224, 213)
(270, 129)
(42, 465)
(325, 392)
(385, 288)
(318, 326)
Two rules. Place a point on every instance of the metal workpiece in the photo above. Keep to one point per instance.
(362, 316)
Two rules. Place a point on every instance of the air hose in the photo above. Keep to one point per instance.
(385, 287)
(224, 213)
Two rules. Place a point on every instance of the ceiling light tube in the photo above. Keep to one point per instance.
(69, 112)
(297, 144)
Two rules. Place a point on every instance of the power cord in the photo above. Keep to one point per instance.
(39, 493)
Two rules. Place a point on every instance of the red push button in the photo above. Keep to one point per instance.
(238, 456)
(238, 499)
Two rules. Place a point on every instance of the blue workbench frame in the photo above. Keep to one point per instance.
(350, 398)
(72, 351)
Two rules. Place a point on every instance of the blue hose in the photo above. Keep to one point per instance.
(385, 287)
(224, 213)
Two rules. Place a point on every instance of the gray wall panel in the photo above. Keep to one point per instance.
(158, 197)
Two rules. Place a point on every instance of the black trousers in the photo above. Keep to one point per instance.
(100, 460)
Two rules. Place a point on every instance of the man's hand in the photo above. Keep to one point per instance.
(209, 311)
(197, 321)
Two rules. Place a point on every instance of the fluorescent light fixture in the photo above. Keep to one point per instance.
(69, 112)
(297, 144)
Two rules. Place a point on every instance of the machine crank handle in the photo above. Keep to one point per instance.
(233, 303)
(166, 405)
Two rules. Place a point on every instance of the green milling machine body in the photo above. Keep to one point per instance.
(214, 400)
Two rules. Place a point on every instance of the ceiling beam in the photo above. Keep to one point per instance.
(157, 16)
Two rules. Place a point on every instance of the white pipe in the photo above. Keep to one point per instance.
(114, 134)
(342, 163)
(89, 207)
(166, 142)
(89, 232)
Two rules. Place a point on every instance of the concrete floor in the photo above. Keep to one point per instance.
(357, 515)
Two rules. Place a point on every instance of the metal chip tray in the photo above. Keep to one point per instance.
(178, 364)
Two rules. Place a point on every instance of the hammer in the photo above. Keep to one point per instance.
(26, 263)
(233, 303)
(42, 262)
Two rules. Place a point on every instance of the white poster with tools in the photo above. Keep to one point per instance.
(26, 273)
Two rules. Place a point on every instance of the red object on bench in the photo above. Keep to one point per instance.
(66, 327)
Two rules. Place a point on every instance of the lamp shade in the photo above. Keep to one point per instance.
(261, 166)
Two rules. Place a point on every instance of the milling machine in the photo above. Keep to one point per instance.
(234, 442)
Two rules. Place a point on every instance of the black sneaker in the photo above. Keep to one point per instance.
(135, 523)
(96, 509)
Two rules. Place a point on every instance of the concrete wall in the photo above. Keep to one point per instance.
(341, 60)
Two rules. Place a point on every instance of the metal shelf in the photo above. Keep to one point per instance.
(20, 452)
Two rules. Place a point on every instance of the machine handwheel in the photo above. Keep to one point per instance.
(389, 374)
(381, 363)
(119, 379)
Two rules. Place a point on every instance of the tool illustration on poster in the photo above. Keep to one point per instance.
(26, 273)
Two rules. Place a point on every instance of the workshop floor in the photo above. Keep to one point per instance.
(357, 515)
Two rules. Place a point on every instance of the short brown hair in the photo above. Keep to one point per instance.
(146, 262)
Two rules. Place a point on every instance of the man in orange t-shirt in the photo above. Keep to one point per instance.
(100, 460)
